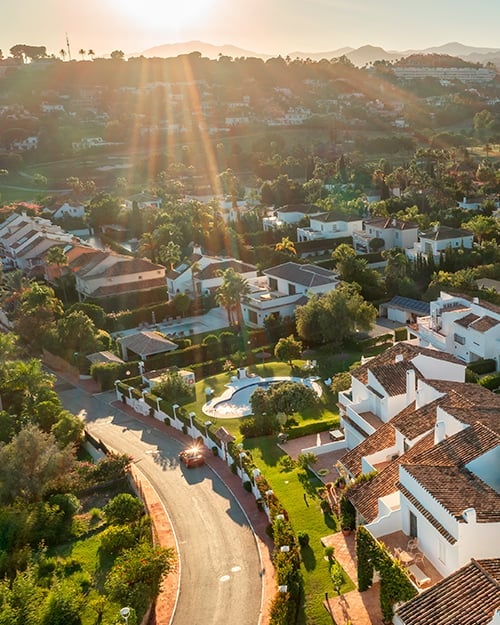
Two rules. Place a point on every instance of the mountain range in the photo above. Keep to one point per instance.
(358, 56)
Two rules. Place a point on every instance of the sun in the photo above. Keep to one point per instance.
(164, 14)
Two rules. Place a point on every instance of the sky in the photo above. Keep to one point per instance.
(264, 26)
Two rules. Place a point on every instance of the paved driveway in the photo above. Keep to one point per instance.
(219, 560)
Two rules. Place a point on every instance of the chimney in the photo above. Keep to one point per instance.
(399, 358)
(475, 300)
(469, 515)
(197, 249)
(436, 228)
(439, 432)
(410, 386)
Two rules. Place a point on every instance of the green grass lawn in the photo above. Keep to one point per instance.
(325, 411)
(290, 487)
(94, 566)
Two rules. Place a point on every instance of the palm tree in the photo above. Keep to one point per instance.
(170, 254)
(62, 53)
(195, 269)
(81, 52)
(286, 245)
(233, 290)
(91, 54)
(148, 246)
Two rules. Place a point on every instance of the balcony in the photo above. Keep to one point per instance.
(429, 334)
(400, 546)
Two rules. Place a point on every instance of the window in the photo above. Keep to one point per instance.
(252, 316)
(273, 284)
(291, 289)
(459, 339)
(413, 525)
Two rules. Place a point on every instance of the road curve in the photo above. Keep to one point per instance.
(220, 568)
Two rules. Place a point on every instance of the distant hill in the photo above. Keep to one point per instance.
(208, 50)
(359, 56)
(317, 56)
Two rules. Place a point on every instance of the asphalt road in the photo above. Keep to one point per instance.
(219, 561)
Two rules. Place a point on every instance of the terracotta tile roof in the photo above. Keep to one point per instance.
(408, 351)
(484, 324)
(443, 233)
(128, 287)
(413, 422)
(332, 216)
(305, 275)
(211, 271)
(146, 343)
(467, 320)
(426, 514)
(458, 489)
(365, 496)
(468, 596)
(383, 438)
(392, 377)
(391, 222)
(443, 473)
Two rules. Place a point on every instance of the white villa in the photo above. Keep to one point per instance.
(468, 328)
(290, 214)
(105, 274)
(205, 278)
(438, 239)
(440, 484)
(394, 232)
(282, 288)
(383, 386)
(143, 200)
(329, 225)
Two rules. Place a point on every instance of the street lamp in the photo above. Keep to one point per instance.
(125, 613)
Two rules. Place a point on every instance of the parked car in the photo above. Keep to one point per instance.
(192, 457)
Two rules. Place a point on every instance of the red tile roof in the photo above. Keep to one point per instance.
(468, 596)
(442, 471)
(383, 438)
(365, 496)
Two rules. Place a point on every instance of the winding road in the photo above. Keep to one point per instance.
(220, 568)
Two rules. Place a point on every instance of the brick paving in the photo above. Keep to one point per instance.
(362, 608)
(165, 603)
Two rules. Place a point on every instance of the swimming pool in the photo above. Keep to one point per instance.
(235, 401)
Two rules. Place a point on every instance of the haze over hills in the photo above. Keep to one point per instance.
(359, 56)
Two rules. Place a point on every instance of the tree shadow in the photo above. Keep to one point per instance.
(330, 521)
(308, 558)
(307, 481)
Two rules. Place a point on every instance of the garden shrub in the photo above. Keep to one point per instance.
(347, 514)
(124, 508)
(400, 334)
(491, 381)
(116, 538)
(485, 365)
(303, 538)
(471, 376)
(136, 575)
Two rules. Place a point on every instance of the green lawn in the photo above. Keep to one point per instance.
(325, 411)
(94, 566)
(290, 488)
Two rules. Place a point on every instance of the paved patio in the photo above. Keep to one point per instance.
(362, 608)
(325, 467)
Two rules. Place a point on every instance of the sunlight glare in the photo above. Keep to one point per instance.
(170, 14)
